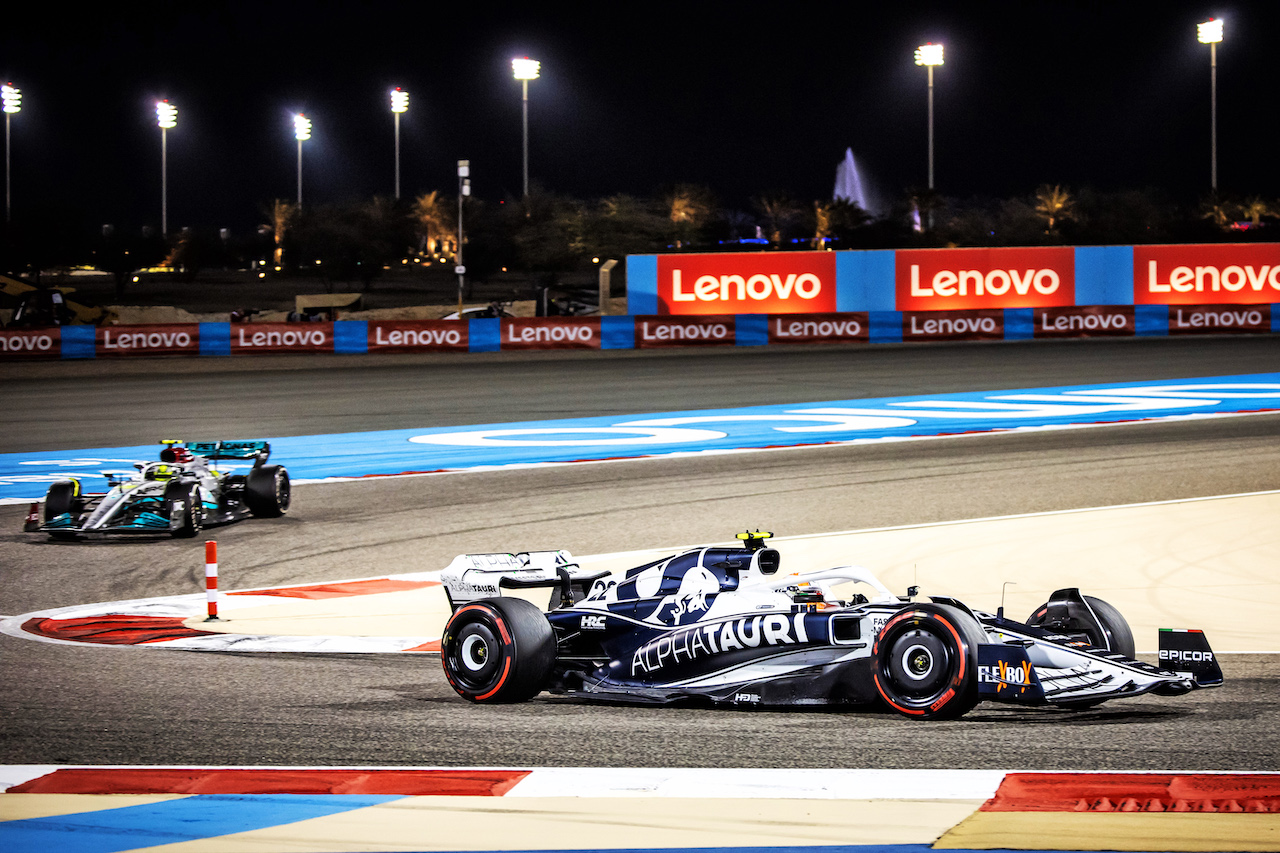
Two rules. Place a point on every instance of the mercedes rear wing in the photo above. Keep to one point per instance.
(474, 576)
(256, 450)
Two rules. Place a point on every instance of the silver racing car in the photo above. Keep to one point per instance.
(178, 495)
(727, 625)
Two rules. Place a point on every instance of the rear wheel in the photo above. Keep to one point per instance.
(266, 491)
(925, 662)
(498, 650)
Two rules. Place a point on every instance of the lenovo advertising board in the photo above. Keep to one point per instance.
(249, 338)
(852, 327)
(1219, 319)
(982, 324)
(700, 330)
(747, 283)
(1199, 274)
(521, 333)
(417, 336)
(947, 279)
(114, 341)
(31, 343)
(1085, 321)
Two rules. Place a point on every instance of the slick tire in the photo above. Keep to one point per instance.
(188, 496)
(498, 650)
(61, 497)
(1119, 634)
(266, 491)
(925, 662)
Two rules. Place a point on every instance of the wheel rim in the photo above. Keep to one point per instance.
(920, 665)
(282, 489)
(475, 656)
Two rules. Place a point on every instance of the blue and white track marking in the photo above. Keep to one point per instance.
(25, 476)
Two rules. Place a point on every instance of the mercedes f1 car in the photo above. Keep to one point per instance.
(178, 495)
(725, 625)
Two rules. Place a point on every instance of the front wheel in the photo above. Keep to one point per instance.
(925, 662)
(498, 650)
(266, 491)
(62, 497)
(188, 497)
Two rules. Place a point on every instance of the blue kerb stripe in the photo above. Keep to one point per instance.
(751, 330)
(215, 339)
(189, 819)
(350, 336)
(79, 341)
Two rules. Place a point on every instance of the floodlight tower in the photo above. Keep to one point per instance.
(525, 69)
(166, 117)
(301, 132)
(12, 99)
(399, 104)
(1210, 33)
(930, 55)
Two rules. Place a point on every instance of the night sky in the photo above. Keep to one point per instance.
(748, 99)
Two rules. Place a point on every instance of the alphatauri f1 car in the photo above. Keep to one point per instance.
(178, 495)
(725, 625)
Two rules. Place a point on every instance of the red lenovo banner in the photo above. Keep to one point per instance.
(418, 336)
(984, 324)
(148, 339)
(937, 279)
(248, 338)
(1234, 273)
(1219, 319)
(709, 330)
(747, 283)
(1085, 321)
(31, 343)
(550, 333)
(819, 328)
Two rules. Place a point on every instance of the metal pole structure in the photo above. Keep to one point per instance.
(930, 127)
(301, 131)
(525, 69)
(1210, 33)
(166, 117)
(464, 189)
(399, 104)
(1213, 115)
(12, 100)
(397, 156)
(299, 173)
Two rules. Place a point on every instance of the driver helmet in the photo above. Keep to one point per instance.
(160, 472)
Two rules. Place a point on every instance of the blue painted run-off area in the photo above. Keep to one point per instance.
(26, 476)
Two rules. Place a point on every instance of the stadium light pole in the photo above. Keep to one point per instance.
(930, 55)
(12, 98)
(1210, 33)
(525, 69)
(166, 117)
(399, 104)
(301, 132)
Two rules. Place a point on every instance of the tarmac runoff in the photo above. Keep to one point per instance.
(1203, 563)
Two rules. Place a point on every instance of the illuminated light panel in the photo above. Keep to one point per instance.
(526, 68)
(12, 97)
(166, 114)
(301, 127)
(1210, 32)
(399, 100)
(929, 54)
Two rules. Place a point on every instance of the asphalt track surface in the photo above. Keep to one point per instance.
(126, 705)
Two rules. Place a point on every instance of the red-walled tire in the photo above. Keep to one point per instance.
(925, 662)
(498, 650)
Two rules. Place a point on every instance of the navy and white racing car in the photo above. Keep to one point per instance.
(181, 493)
(728, 626)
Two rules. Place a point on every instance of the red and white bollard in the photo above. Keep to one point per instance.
(211, 579)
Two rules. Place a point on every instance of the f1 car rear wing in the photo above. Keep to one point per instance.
(257, 450)
(474, 576)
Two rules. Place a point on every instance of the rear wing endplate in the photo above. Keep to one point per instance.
(474, 576)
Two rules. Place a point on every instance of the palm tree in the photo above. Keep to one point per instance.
(1054, 203)
(1255, 208)
(1218, 210)
(687, 208)
(434, 220)
(281, 214)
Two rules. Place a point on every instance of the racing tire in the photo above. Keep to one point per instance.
(1117, 635)
(498, 650)
(192, 508)
(62, 497)
(266, 491)
(925, 662)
